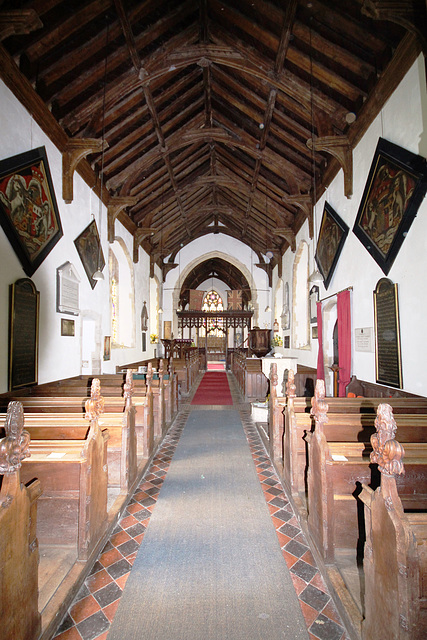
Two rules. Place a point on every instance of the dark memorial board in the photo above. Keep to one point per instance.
(23, 334)
(387, 334)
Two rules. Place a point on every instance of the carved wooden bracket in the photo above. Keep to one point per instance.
(340, 148)
(139, 235)
(18, 22)
(406, 13)
(266, 266)
(288, 234)
(76, 150)
(166, 267)
(114, 207)
(303, 201)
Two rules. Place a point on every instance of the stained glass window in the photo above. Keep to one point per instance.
(213, 302)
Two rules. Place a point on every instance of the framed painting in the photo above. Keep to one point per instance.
(332, 235)
(107, 347)
(67, 327)
(396, 185)
(28, 209)
(89, 249)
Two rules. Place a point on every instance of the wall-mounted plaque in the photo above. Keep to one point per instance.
(387, 334)
(23, 334)
(363, 339)
(67, 289)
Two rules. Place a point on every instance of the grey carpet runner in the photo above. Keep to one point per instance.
(210, 565)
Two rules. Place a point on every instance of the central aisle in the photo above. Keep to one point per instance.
(210, 566)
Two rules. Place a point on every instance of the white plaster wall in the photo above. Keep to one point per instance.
(60, 356)
(403, 121)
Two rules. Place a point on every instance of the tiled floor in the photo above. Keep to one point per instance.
(92, 612)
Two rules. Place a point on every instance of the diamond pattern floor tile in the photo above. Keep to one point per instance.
(93, 610)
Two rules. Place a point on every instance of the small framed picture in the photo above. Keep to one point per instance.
(107, 347)
(67, 327)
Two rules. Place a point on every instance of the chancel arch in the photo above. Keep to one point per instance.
(197, 266)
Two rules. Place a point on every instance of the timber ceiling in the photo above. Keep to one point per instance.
(206, 107)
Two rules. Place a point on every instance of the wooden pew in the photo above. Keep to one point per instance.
(335, 473)
(19, 553)
(122, 442)
(70, 395)
(291, 421)
(73, 475)
(395, 561)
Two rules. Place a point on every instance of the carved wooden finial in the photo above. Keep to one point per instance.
(14, 447)
(340, 148)
(274, 378)
(387, 452)
(290, 385)
(149, 376)
(161, 369)
(128, 387)
(94, 406)
(319, 406)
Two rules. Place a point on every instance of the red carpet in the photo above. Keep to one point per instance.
(213, 389)
(216, 366)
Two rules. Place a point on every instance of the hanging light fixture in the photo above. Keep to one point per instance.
(268, 255)
(98, 275)
(161, 258)
(315, 277)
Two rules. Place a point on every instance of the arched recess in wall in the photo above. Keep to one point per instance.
(206, 256)
(154, 317)
(122, 295)
(278, 302)
(91, 343)
(329, 319)
(300, 306)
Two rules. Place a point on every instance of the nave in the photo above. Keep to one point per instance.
(280, 592)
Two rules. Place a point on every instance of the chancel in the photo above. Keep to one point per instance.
(244, 182)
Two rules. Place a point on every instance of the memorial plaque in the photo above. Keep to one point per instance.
(67, 289)
(387, 334)
(364, 340)
(23, 334)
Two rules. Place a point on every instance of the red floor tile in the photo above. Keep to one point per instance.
(110, 557)
(84, 608)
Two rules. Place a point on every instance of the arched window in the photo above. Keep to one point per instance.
(213, 302)
(121, 297)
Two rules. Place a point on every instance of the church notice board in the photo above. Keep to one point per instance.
(23, 334)
(388, 359)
